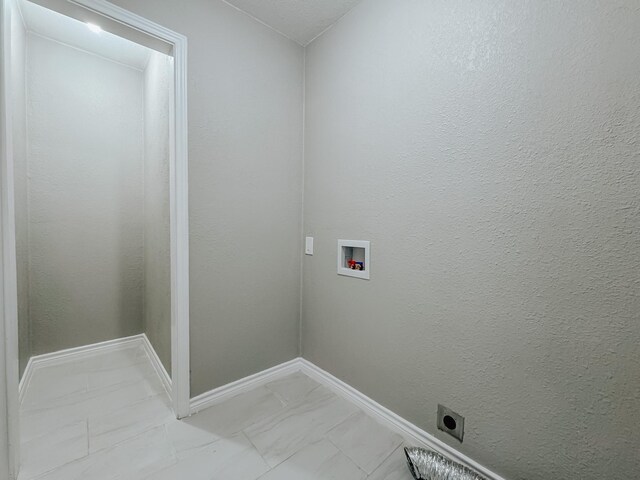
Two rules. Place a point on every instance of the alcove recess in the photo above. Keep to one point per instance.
(354, 259)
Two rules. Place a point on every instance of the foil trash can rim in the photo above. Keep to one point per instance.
(426, 464)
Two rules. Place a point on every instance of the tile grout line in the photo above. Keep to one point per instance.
(366, 474)
(399, 447)
(88, 439)
(242, 432)
(313, 416)
(369, 417)
(44, 474)
(85, 394)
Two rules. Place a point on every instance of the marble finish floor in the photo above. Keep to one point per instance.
(109, 418)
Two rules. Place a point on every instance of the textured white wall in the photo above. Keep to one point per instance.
(245, 150)
(157, 239)
(299, 20)
(489, 150)
(85, 130)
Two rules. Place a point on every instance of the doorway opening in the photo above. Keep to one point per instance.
(94, 194)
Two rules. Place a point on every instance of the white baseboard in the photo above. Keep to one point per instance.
(377, 411)
(62, 356)
(392, 420)
(25, 380)
(157, 364)
(88, 351)
(382, 414)
(257, 380)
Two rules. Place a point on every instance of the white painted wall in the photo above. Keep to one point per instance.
(245, 150)
(86, 147)
(245, 147)
(157, 240)
(299, 20)
(489, 151)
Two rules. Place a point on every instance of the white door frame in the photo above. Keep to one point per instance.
(9, 292)
(179, 215)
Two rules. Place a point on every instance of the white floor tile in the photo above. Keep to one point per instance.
(35, 421)
(120, 425)
(237, 413)
(393, 468)
(189, 435)
(226, 459)
(52, 450)
(108, 418)
(283, 434)
(124, 357)
(319, 461)
(47, 388)
(122, 375)
(364, 441)
(133, 459)
(293, 388)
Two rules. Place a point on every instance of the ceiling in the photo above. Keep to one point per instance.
(300, 20)
(72, 32)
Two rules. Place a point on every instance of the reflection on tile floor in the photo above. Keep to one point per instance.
(109, 418)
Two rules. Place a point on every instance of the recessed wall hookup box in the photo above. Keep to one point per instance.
(354, 259)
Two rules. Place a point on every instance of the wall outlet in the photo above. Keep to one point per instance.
(450, 422)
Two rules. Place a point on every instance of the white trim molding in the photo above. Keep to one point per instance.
(25, 380)
(9, 281)
(90, 351)
(382, 414)
(178, 193)
(157, 365)
(225, 392)
(63, 356)
(162, 39)
(392, 420)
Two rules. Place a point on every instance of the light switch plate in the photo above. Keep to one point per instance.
(308, 246)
